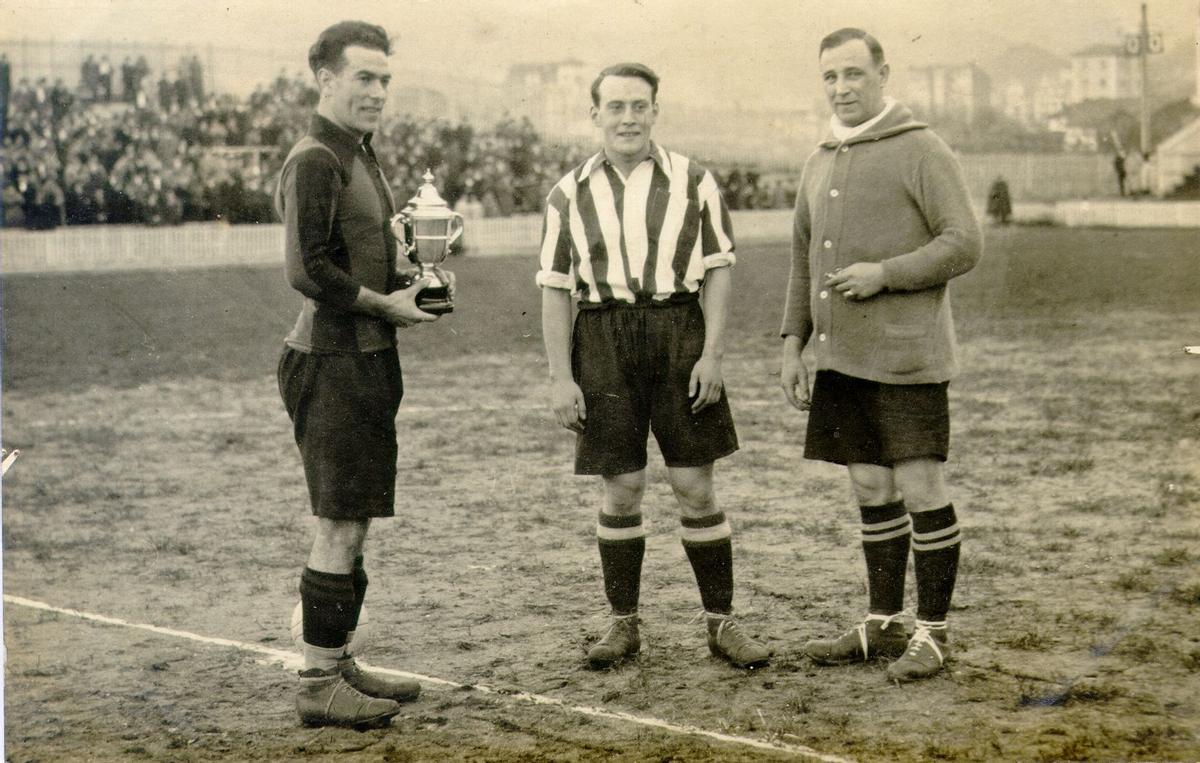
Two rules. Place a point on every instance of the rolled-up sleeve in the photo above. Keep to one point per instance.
(716, 227)
(310, 186)
(556, 267)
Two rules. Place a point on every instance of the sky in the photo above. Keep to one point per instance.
(710, 50)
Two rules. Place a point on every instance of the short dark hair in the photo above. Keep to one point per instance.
(641, 71)
(845, 35)
(328, 52)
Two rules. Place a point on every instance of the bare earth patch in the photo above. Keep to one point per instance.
(179, 501)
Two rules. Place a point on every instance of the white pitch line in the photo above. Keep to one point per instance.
(292, 660)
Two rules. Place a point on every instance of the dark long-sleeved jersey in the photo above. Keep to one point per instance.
(336, 206)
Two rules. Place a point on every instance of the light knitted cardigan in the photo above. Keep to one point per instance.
(893, 195)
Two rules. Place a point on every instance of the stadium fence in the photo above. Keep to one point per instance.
(121, 247)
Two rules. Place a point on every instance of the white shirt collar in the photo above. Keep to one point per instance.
(657, 153)
(844, 133)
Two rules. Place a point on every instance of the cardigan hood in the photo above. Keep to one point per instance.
(899, 119)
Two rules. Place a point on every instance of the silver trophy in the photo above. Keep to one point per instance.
(425, 229)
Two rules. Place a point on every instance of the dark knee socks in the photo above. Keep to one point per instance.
(330, 608)
(707, 541)
(936, 541)
(622, 543)
(885, 539)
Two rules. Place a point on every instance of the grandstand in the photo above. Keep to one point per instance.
(110, 133)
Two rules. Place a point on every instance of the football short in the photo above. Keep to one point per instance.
(857, 421)
(343, 410)
(633, 364)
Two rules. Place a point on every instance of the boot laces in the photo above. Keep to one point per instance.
(620, 623)
(923, 636)
(730, 632)
(343, 687)
(861, 628)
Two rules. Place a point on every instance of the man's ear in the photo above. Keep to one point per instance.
(884, 71)
(594, 112)
(323, 77)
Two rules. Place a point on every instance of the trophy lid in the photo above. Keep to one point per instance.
(428, 203)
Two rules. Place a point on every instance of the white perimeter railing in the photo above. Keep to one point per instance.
(197, 245)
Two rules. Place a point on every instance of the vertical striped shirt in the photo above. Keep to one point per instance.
(648, 236)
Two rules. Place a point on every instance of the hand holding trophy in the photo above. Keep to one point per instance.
(425, 229)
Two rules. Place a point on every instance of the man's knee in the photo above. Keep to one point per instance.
(693, 488)
(337, 543)
(923, 484)
(873, 485)
(623, 492)
(342, 530)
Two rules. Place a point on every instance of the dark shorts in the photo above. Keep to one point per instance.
(633, 364)
(343, 408)
(856, 421)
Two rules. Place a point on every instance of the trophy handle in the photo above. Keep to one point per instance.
(456, 225)
(402, 229)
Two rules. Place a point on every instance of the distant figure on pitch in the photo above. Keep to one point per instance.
(883, 221)
(340, 372)
(1119, 168)
(641, 237)
(999, 203)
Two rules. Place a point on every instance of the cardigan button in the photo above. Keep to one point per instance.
(834, 193)
(821, 337)
(824, 294)
(828, 244)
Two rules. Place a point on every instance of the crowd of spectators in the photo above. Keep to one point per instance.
(98, 154)
(747, 189)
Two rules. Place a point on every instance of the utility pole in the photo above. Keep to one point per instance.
(1143, 51)
(1142, 45)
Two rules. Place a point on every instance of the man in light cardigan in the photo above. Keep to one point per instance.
(883, 222)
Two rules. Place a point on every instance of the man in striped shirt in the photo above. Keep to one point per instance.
(642, 238)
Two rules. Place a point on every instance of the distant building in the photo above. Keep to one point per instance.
(957, 91)
(1175, 158)
(1034, 105)
(1049, 96)
(1016, 103)
(1179, 154)
(553, 95)
(1102, 72)
(1196, 95)
(1074, 137)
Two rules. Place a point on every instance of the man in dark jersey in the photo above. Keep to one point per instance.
(340, 372)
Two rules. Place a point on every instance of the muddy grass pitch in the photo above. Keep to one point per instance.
(159, 485)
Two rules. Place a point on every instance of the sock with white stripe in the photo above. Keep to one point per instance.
(622, 542)
(885, 537)
(935, 542)
(709, 546)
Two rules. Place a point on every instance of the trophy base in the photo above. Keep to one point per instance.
(436, 308)
(435, 300)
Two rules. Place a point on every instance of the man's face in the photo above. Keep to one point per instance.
(355, 94)
(853, 83)
(625, 114)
